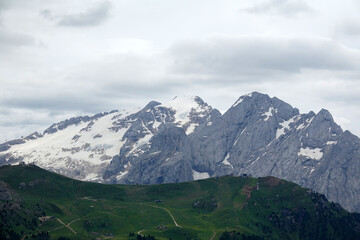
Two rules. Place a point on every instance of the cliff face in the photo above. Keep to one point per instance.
(187, 139)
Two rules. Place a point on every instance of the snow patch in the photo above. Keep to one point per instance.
(156, 124)
(184, 107)
(200, 175)
(191, 128)
(301, 126)
(243, 131)
(121, 175)
(255, 161)
(141, 142)
(226, 162)
(155, 153)
(236, 141)
(305, 125)
(285, 125)
(238, 102)
(313, 153)
(241, 99)
(331, 142)
(91, 177)
(269, 113)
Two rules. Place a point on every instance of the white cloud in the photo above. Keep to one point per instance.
(288, 8)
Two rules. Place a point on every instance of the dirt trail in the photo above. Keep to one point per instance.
(247, 192)
(213, 235)
(177, 225)
(65, 225)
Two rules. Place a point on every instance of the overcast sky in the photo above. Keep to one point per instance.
(66, 58)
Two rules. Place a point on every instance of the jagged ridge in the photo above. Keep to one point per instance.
(186, 139)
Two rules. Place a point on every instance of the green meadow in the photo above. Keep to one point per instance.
(202, 209)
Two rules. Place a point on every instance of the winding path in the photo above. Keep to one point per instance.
(213, 235)
(139, 232)
(177, 225)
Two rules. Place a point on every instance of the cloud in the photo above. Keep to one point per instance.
(14, 39)
(259, 57)
(100, 85)
(4, 4)
(118, 80)
(348, 28)
(90, 17)
(11, 39)
(288, 8)
(219, 69)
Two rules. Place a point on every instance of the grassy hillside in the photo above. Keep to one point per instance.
(215, 208)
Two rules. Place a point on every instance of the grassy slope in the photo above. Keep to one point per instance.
(119, 209)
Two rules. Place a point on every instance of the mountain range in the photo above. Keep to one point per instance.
(186, 139)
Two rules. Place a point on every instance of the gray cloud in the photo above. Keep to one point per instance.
(257, 56)
(10, 38)
(287, 8)
(114, 82)
(90, 17)
(13, 39)
(127, 80)
(4, 4)
(348, 28)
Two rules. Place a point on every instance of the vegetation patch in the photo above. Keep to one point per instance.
(57, 207)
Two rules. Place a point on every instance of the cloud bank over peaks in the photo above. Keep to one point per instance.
(256, 56)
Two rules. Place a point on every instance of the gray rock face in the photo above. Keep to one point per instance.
(166, 158)
(136, 160)
(264, 136)
(186, 139)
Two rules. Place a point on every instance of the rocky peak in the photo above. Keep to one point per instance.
(186, 139)
(323, 128)
(255, 106)
(150, 105)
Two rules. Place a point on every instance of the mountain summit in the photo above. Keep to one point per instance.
(186, 139)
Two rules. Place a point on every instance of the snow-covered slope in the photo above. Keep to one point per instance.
(80, 150)
(83, 147)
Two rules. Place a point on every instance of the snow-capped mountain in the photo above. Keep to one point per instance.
(187, 139)
(83, 147)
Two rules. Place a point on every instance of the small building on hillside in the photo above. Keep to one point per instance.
(45, 218)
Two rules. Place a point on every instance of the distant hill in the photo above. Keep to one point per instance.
(38, 203)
